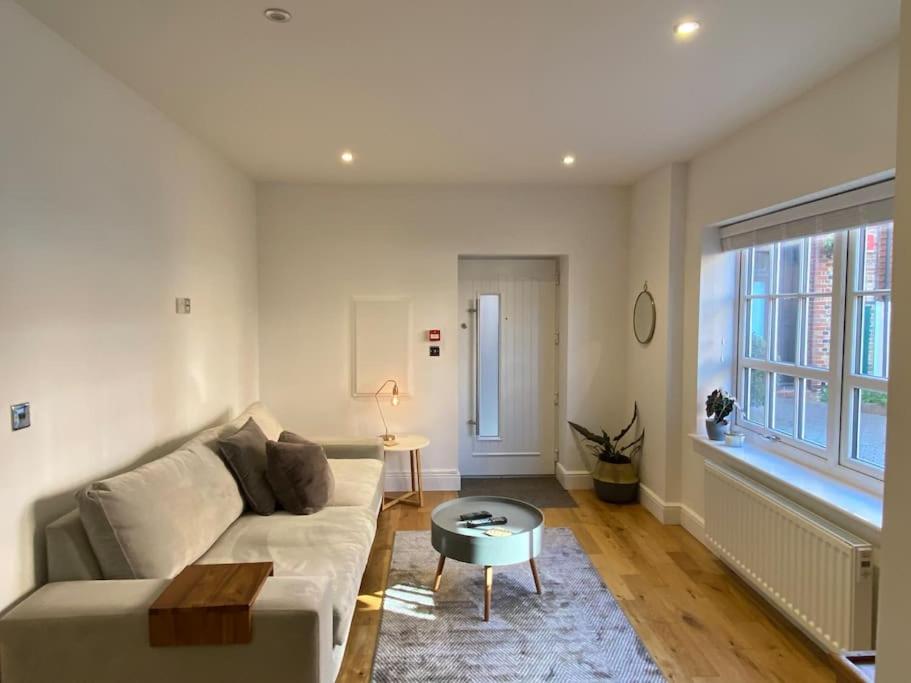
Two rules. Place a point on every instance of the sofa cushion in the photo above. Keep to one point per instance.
(299, 474)
(153, 521)
(357, 482)
(258, 411)
(334, 542)
(244, 452)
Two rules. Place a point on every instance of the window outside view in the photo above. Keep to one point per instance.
(797, 295)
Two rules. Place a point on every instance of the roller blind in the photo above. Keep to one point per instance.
(850, 209)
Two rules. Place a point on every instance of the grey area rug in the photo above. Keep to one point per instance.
(542, 492)
(574, 631)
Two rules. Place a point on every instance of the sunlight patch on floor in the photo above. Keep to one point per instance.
(412, 601)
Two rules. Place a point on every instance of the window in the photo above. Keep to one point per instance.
(813, 361)
(488, 417)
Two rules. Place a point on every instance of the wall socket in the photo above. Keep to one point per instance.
(183, 305)
(20, 416)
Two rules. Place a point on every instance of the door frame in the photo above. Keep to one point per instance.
(561, 266)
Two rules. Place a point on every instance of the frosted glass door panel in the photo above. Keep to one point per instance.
(488, 383)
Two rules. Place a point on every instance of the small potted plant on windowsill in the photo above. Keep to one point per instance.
(718, 405)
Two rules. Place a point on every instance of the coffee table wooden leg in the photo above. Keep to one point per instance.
(488, 591)
(534, 573)
(417, 455)
(414, 474)
(439, 575)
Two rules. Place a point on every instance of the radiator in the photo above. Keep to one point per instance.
(818, 575)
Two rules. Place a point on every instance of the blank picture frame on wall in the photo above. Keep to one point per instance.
(382, 343)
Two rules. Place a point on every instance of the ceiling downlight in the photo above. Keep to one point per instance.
(277, 15)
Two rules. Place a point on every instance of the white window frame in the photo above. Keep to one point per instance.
(851, 379)
(835, 459)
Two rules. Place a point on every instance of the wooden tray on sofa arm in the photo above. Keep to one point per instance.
(208, 604)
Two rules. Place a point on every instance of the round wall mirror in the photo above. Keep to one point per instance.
(644, 316)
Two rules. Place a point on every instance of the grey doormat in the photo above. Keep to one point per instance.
(573, 631)
(542, 492)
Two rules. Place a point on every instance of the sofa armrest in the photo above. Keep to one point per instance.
(352, 448)
(97, 631)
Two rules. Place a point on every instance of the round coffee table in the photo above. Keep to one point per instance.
(453, 539)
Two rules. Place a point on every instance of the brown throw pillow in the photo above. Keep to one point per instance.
(299, 474)
(245, 454)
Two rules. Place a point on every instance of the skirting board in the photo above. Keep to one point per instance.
(434, 480)
(693, 523)
(672, 513)
(664, 512)
(573, 479)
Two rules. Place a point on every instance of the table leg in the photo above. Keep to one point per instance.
(488, 591)
(414, 475)
(534, 573)
(439, 574)
(417, 455)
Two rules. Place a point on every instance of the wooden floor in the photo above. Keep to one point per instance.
(699, 621)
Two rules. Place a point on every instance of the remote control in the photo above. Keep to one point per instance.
(486, 522)
(474, 516)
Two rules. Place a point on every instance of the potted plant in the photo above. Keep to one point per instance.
(718, 405)
(615, 473)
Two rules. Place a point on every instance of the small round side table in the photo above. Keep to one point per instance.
(411, 444)
(454, 539)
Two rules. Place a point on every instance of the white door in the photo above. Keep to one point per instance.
(507, 365)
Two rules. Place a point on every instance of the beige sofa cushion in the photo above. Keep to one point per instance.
(357, 482)
(153, 521)
(264, 419)
(334, 542)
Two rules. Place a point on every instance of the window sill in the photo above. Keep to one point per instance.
(857, 510)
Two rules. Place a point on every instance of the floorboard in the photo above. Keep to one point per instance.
(701, 623)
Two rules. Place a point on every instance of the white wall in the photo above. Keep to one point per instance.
(322, 245)
(107, 213)
(895, 591)
(842, 130)
(657, 224)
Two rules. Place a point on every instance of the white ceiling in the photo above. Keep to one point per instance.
(467, 90)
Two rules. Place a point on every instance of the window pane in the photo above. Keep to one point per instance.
(762, 270)
(819, 331)
(788, 311)
(870, 427)
(785, 389)
(822, 263)
(489, 365)
(815, 411)
(757, 341)
(756, 395)
(876, 264)
(790, 256)
(873, 313)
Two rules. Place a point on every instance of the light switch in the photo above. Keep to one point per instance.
(20, 416)
(183, 305)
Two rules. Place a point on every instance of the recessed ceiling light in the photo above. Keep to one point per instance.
(569, 160)
(347, 157)
(278, 15)
(686, 28)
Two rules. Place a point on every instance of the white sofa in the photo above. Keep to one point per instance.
(109, 559)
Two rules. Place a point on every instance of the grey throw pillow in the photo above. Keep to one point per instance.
(299, 474)
(245, 454)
